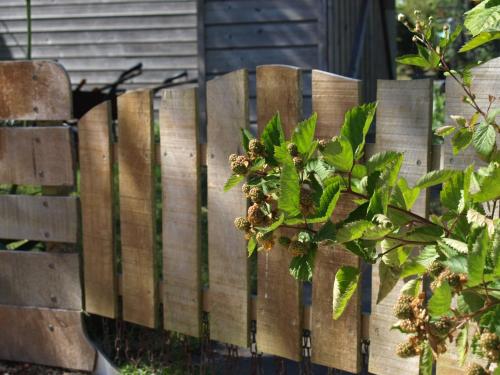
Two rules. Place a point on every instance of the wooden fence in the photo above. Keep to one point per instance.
(44, 156)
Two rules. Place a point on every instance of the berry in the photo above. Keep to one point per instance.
(322, 144)
(292, 149)
(255, 215)
(242, 223)
(245, 189)
(266, 240)
(256, 194)
(402, 309)
(306, 202)
(284, 241)
(475, 369)
(240, 165)
(407, 326)
(297, 248)
(298, 162)
(232, 157)
(255, 147)
(435, 268)
(441, 327)
(406, 350)
(489, 341)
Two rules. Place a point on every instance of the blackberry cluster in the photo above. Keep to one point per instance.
(456, 280)
(489, 344)
(306, 202)
(476, 369)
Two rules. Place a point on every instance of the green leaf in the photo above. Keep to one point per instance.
(461, 140)
(404, 196)
(356, 125)
(344, 286)
(445, 130)
(455, 33)
(412, 287)
(302, 267)
(434, 178)
(320, 168)
(388, 279)
(479, 40)
(488, 182)
(492, 115)
(496, 251)
(303, 135)
(327, 232)
(274, 225)
(251, 246)
(338, 153)
(289, 199)
(363, 249)
(457, 264)
(462, 343)
(439, 303)
(414, 60)
(378, 203)
(352, 231)
(477, 258)
(484, 139)
(426, 359)
(272, 135)
(451, 247)
(483, 17)
(232, 181)
(246, 136)
(380, 160)
(452, 193)
(327, 203)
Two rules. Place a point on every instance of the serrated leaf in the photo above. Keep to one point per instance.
(320, 168)
(477, 258)
(434, 178)
(338, 153)
(483, 17)
(380, 160)
(462, 344)
(426, 359)
(357, 122)
(484, 139)
(302, 267)
(272, 135)
(232, 181)
(378, 203)
(496, 251)
(289, 199)
(403, 196)
(251, 246)
(488, 183)
(388, 279)
(457, 264)
(327, 232)
(246, 136)
(344, 286)
(439, 303)
(303, 135)
(445, 130)
(451, 247)
(327, 203)
(479, 40)
(352, 231)
(414, 60)
(412, 287)
(461, 140)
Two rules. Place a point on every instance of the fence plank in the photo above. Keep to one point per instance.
(136, 184)
(180, 169)
(34, 90)
(35, 279)
(96, 194)
(39, 218)
(36, 156)
(227, 110)
(486, 82)
(404, 118)
(45, 336)
(279, 305)
(335, 343)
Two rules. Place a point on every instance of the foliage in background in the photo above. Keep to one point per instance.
(294, 186)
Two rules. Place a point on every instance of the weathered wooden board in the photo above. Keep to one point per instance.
(96, 194)
(227, 111)
(39, 218)
(404, 119)
(36, 156)
(49, 337)
(279, 305)
(34, 90)
(40, 280)
(180, 170)
(337, 343)
(136, 184)
(486, 82)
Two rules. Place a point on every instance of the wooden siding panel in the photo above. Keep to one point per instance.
(96, 194)
(227, 110)
(137, 222)
(336, 344)
(404, 119)
(180, 170)
(279, 304)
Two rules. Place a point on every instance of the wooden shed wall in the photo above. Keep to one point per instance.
(98, 39)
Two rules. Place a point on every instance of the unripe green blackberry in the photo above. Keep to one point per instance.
(256, 194)
(240, 165)
(297, 248)
(489, 341)
(245, 189)
(242, 223)
(292, 149)
(475, 369)
(298, 162)
(441, 327)
(406, 350)
(306, 202)
(407, 326)
(435, 268)
(322, 144)
(284, 241)
(402, 309)
(266, 240)
(255, 215)
(232, 157)
(256, 147)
